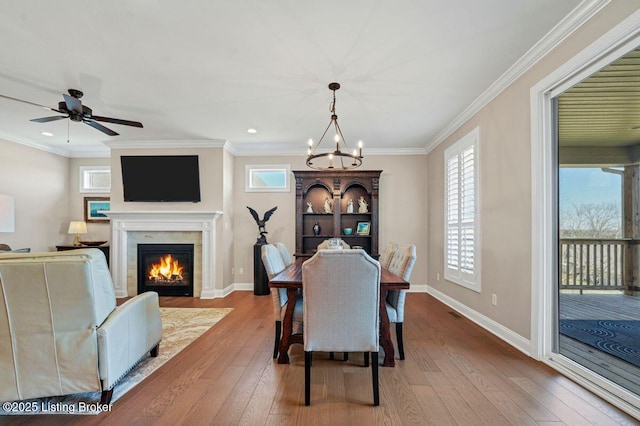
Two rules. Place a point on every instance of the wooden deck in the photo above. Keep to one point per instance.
(611, 306)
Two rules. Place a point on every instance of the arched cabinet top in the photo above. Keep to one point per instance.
(337, 181)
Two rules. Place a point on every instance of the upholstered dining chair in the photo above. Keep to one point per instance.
(284, 252)
(273, 264)
(401, 265)
(325, 244)
(341, 297)
(387, 254)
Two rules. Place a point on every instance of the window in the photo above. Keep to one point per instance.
(267, 178)
(462, 262)
(95, 179)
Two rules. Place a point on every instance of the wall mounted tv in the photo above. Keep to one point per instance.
(161, 178)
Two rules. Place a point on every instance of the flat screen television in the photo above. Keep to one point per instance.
(161, 178)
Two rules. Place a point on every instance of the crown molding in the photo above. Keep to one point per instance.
(27, 142)
(275, 150)
(570, 24)
(203, 143)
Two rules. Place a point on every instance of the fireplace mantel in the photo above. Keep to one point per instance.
(122, 222)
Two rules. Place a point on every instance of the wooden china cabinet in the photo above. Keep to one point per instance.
(338, 187)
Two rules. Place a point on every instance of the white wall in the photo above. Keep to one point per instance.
(402, 201)
(39, 181)
(505, 188)
(97, 231)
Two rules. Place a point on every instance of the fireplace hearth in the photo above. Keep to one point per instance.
(166, 269)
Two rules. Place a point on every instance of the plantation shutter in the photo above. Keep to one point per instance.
(461, 212)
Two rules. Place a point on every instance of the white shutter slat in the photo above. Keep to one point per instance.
(461, 211)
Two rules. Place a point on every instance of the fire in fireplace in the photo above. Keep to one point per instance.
(166, 269)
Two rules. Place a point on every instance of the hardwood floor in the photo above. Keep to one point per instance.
(455, 373)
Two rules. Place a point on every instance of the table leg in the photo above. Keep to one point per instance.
(385, 333)
(287, 327)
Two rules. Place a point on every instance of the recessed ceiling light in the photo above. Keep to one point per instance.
(252, 130)
(47, 133)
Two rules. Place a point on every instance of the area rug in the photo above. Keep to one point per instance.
(618, 338)
(180, 327)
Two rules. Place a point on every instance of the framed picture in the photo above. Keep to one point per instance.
(92, 207)
(363, 228)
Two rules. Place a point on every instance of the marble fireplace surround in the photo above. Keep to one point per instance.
(125, 223)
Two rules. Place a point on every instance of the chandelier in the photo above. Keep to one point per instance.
(341, 158)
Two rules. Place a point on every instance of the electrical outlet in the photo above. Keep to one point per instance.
(494, 299)
(241, 271)
(437, 276)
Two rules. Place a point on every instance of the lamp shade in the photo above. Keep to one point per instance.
(7, 213)
(77, 227)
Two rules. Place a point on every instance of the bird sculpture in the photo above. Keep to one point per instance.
(261, 222)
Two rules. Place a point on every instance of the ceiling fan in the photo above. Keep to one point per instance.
(75, 111)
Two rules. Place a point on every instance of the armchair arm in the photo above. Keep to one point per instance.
(128, 333)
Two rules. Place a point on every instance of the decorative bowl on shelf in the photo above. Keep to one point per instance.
(348, 231)
(92, 243)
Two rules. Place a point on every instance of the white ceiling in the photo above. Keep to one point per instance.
(209, 70)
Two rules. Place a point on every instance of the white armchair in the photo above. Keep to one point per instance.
(387, 254)
(60, 330)
(274, 264)
(284, 253)
(401, 265)
(341, 297)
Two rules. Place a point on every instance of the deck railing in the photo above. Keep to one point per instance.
(593, 264)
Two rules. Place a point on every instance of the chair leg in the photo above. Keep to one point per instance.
(105, 397)
(374, 377)
(400, 340)
(366, 359)
(276, 345)
(345, 356)
(307, 378)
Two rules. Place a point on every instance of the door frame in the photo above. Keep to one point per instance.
(623, 38)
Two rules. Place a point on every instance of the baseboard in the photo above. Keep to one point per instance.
(418, 288)
(512, 338)
(216, 294)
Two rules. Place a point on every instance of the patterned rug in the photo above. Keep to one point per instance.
(180, 327)
(618, 338)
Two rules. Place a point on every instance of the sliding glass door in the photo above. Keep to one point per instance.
(598, 210)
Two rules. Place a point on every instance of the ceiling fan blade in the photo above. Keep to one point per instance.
(30, 103)
(117, 121)
(73, 104)
(100, 127)
(48, 119)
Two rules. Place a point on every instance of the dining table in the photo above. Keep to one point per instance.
(291, 279)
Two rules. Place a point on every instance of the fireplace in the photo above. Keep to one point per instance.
(166, 269)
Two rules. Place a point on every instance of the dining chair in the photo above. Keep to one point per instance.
(284, 252)
(341, 297)
(401, 265)
(325, 244)
(273, 264)
(387, 255)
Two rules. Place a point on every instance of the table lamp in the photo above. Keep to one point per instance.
(77, 227)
